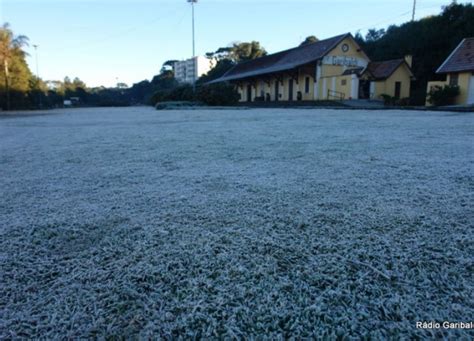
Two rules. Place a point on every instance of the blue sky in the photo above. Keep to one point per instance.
(105, 41)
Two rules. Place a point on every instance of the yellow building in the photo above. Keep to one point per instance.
(332, 69)
(459, 70)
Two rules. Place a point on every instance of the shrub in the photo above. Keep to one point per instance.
(218, 94)
(180, 93)
(387, 99)
(214, 95)
(403, 102)
(443, 95)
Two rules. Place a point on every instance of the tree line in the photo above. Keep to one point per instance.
(21, 89)
(429, 40)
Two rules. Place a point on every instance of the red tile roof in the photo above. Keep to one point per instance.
(461, 59)
(281, 61)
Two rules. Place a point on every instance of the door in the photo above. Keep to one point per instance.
(290, 90)
(398, 89)
(249, 93)
(277, 91)
(470, 96)
(364, 89)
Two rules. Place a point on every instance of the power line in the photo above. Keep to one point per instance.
(120, 34)
(391, 18)
(381, 22)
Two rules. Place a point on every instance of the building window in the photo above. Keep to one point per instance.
(306, 85)
(343, 82)
(454, 79)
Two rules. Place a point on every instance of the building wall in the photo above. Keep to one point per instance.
(379, 89)
(286, 88)
(464, 79)
(344, 86)
(328, 87)
(333, 66)
(463, 82)
(327, 76)
(267, 85)
(330, 74)
(306, 96)
(402, 75)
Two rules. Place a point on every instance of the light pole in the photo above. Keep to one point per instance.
(194, 48)
(37, 75)
(414, 11)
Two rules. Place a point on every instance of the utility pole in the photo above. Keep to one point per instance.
(37, 76)
(194, 48)
(414, 11)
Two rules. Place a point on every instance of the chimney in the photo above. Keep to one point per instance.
(409, 60)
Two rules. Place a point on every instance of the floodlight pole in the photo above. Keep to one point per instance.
(414, 11)
(194, 47)
(37, 75)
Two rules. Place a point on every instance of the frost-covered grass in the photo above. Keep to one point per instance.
(138, 223)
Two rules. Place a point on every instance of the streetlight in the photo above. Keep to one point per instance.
(414, 11)
(194, 47)
(37, 75)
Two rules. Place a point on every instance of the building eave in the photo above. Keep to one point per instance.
(449, 57)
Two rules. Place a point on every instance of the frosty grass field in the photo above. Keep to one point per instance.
(139, 223)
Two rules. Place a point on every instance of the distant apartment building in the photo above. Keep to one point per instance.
(186, 71)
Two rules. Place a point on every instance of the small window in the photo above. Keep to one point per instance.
(306, 85)
(344, 82)
(454, 79)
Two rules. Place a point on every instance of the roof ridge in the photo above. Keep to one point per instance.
(310, 44)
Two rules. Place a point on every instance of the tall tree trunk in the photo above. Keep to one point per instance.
(7, 83)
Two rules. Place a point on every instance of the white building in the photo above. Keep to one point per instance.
(186, 70)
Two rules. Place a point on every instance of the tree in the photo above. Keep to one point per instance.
(37, 91)
(164, 80)
(121, 85)
(373, 34)
(77, 83)
(220, 94)
(237, 52)
(12, 56)
(218, 71)
(242, 52)
(168, 66)
(222, 53)
(309, 40)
